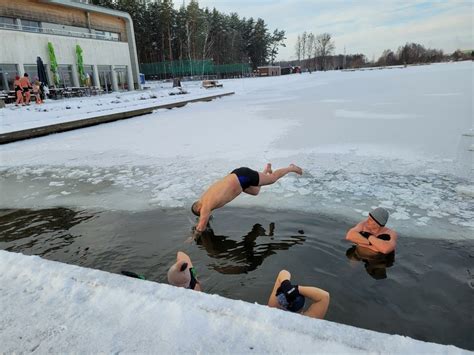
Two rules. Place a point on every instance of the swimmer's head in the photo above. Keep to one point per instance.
(379, 215)
(196, 208)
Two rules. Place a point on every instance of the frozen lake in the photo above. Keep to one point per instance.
(118, 196)
(391, 137)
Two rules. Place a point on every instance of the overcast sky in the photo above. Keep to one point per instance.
(361, 26)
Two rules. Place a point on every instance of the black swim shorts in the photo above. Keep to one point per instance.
(247, 177)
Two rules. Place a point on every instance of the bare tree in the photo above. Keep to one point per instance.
(310, 49)
(304, 39)
(324, 48)
(298, 48)
(387, 58)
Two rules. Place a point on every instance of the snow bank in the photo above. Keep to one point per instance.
(50, 307)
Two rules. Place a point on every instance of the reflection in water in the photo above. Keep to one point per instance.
(246, 255)
(40, 231)
(376, 264)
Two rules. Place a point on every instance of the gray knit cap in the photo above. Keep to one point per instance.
(380, 215)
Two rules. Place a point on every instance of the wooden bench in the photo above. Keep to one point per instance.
(211, 84)
(96, 90)
(7, 97)
(55, 93)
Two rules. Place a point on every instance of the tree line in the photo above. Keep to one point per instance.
(163, 33)
(411, 53)
(316, 52)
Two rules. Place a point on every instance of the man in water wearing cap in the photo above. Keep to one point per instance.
(372, 233)
(238, 181)
(290, 297)
(182, 273)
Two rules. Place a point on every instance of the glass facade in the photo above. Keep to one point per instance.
(30, 26)
(7, 76)
(121, 71)
(65, 75)
(7, 22)
(89, 72)
(105, 77)
(32, 70)
(57, 29)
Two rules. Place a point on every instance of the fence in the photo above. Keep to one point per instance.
(197, 68)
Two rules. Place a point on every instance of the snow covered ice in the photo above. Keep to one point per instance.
(390, 137)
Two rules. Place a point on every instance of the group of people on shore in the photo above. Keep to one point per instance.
(24, 88)
(371, 235)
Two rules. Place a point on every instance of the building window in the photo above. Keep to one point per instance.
(105, 77)
(7, 22)
(115, 36)
(31, 26)
(121, 71)
(7, 76)
(89, 72)
(110, 36)
(65, 75)
(32, 70)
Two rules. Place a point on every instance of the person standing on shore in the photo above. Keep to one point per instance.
(228, 188)
(37, 92)
(26, 87)
(372, 233)
(18, 91)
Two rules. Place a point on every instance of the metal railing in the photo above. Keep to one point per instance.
(55, 31)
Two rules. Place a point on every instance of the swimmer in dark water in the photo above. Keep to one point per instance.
(239, 180)
(376, 264)
(372, 233)
(290, 297)
(183, 274)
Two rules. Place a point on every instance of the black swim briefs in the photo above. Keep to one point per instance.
(247, 177)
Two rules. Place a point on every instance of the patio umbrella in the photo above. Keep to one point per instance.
(41, 71)
(41, 76)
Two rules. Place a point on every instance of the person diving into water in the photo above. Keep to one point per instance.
(228, 188)
(372, 233)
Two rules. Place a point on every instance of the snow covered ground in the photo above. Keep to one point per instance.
(390, 137)
(52, 112)
(385, 137)
(49, 307)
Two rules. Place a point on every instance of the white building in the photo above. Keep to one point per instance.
(105, 36)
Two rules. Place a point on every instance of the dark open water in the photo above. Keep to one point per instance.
(425, 291)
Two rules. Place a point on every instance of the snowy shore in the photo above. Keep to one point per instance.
(50, 307)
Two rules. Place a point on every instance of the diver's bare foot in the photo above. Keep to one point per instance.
(268, 169)
(296, 169)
